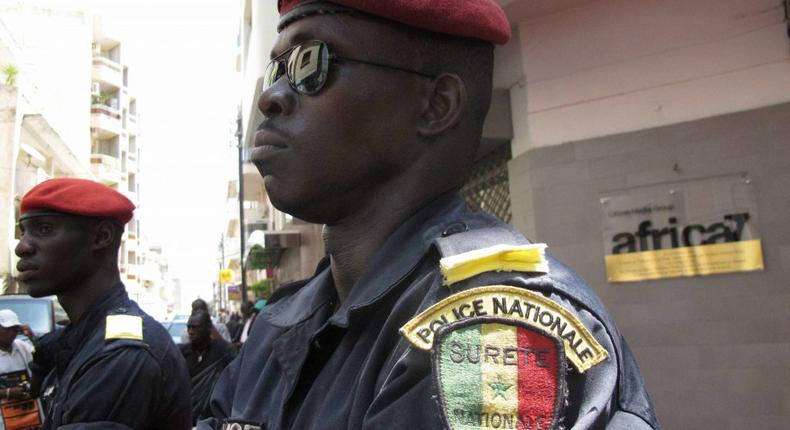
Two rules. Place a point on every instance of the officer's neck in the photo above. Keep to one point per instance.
(77, 299)
(353, 243)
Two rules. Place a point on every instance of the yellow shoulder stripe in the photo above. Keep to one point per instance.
(123, 327)
(500, 258)
(511, 305)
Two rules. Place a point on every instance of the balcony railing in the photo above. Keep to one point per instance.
(106, 168)
(107, 71)
(98, 59)
(105, 118)
(108, 161)
(131, 124)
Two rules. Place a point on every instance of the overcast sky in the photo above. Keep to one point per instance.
(181, 56)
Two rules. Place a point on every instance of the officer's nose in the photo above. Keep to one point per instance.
(278, 99)
(24, 248)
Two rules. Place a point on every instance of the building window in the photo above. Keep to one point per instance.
(132, 183)
(132, 258)
(109, 147)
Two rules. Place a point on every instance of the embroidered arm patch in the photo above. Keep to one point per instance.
(500, 258)
(493, 373)
(514, 306)
(123, 327)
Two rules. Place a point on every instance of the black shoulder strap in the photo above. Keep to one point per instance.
(471, 240)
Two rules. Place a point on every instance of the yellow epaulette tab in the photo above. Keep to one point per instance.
(500, 258)
(123, 327)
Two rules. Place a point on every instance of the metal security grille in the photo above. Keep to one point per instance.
(487, 188)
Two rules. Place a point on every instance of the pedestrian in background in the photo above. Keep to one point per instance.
(15, 358)
(206, 357)
(234, 326)
(15, 354)
(248, 312)
(218, 329)
(113, 366)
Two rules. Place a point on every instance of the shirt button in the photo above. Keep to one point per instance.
(121, 311)
(455, 227)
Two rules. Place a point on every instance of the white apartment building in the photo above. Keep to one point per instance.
(603, 98)
(158, 290)
(114, 148)
(72, 113)
(42, 126)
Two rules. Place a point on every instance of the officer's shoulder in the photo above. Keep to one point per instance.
(128, 325)
(499, 294)
(494, 275)
(501, 249)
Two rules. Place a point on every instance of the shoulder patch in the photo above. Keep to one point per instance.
(500, 258)
(513, 306)
(494, 373)
(123, 327)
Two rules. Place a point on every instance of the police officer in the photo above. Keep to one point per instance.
(422, 315)
(113, 366)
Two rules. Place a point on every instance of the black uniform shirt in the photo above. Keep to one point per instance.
(305, 367)
(116, 383)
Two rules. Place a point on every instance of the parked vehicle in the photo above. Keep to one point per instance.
(176, 328)
(42, 314)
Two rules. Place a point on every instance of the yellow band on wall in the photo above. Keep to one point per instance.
(711, 259)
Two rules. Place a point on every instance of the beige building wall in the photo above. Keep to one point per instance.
(620, 95)
(603, 67)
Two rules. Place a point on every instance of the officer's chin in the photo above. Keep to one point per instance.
(36, 290)
(41, 289)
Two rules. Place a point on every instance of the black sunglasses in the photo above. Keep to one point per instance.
(307, 66)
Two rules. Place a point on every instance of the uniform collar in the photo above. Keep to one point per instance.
(318, 292)
(401, 253)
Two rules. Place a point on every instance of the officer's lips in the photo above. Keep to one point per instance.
(25, 269)
(268, 142)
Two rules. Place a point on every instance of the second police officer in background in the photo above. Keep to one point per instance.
(113, 366)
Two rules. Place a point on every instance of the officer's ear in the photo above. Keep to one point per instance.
(444, 103)
(105, 234)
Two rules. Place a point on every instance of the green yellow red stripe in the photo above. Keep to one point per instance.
(499, 376)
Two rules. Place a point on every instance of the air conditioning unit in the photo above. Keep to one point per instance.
(95, 89)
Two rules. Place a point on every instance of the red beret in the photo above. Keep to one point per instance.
(77, 197)
(479, 19)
